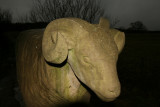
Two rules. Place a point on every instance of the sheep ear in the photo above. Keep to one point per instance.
(119, 39)
(104, 23)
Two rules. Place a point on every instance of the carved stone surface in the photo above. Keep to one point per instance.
(52, 63)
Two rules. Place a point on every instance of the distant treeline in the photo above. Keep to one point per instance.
(44, 12)
(21, 26)
(26, 26)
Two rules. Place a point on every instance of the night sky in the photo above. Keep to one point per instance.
(126, 11)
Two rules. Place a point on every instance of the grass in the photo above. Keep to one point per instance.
(138, 70)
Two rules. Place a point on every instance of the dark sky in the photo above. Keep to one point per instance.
(147, 11)
(127, 11)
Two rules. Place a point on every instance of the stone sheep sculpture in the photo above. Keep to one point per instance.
(56, 64)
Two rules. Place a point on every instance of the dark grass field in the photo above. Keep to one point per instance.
(138, 69)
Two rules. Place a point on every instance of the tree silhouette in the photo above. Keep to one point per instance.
(137, 26)
(5, 16)
(48, 10)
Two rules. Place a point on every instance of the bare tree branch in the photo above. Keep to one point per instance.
(5, 16)
(49, 10)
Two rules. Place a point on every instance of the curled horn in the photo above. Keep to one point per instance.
(55, 42)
